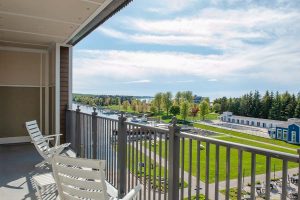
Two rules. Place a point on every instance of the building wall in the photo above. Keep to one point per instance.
(295, 128)
(64, 87)
(22, 89)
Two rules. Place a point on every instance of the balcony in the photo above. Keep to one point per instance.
(153, 156)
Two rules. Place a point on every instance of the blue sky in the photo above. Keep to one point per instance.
(213, 48)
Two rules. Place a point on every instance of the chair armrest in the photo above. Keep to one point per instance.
(51, 136)
(111, 190)
(130, 195)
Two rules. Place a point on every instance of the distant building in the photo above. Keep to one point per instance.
(288, 131)
(249, 121)
(198, 99)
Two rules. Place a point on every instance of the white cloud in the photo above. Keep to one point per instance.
(170, 6)
(275, 63)
(138, 81)
(212, 80)
(215, 28)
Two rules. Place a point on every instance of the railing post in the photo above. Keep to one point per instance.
(298, 174)
(94, 133)
(122, 156)
(173, 164)
(77, 131)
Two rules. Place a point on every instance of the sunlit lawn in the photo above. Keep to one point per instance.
(244, 135)
(260, 161)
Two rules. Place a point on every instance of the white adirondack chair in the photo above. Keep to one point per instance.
(42, 143)
(79, 178)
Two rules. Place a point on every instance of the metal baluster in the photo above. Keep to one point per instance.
(149, 168)
(182, 169)
(227, 173)
(160, 155)
(141, 146)
(166, 166)
(240, 174)
(132, 133)
(217, 172)
(154, 170)
(136, 156)
(207, 170)
(145, 163)
(284, 179)
(268, 171)
(253, 172)
(190, 169)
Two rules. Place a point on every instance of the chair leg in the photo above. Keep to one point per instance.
(39, 194)
(40, 164)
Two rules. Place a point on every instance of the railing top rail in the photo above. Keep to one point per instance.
(149, 127)
(256, 150)
(88, 114)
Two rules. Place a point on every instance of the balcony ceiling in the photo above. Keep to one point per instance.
(42, 22)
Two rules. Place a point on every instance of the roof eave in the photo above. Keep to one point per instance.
(104, 15)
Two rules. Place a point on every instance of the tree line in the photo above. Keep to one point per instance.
(162, 104)
(277, 106)
(181, 104)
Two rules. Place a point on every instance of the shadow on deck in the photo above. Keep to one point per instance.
(16, 170)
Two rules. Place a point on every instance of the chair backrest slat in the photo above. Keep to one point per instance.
(79, 178)
(37, 138)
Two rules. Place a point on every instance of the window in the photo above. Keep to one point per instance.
(284, 136)
(279, 133)
(228, 119)
(294, 136)
(258, 124)
(252, 123)
(238, 121)
(264, 125)
(233, 120)
(242, 122)
(247, 122)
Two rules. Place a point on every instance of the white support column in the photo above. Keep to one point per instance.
(57, 90)
(47, 93)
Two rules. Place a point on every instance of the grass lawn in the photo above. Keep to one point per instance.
(233, 193)
(244, 135)
(201, 197)
(260, 162)
(147, 168)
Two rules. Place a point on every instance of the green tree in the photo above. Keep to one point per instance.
(217, 108)
(177, 98)
(125, 105)
(184, 109)
(167, 101)
(194, 111)
(204, 109)
(175, 110)
(297, 110)
(187, 96)
(158, 101)
(275, 112)
(266, 105)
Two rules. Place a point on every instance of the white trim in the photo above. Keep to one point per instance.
(42, 18)
(57, 89)
(70, 77)
(26, 43)
(30, 86)
(32, 33)
(90, 1)
(41, 91)
(47, 94)
(89, 19)
(21, 49)
(10, 140)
